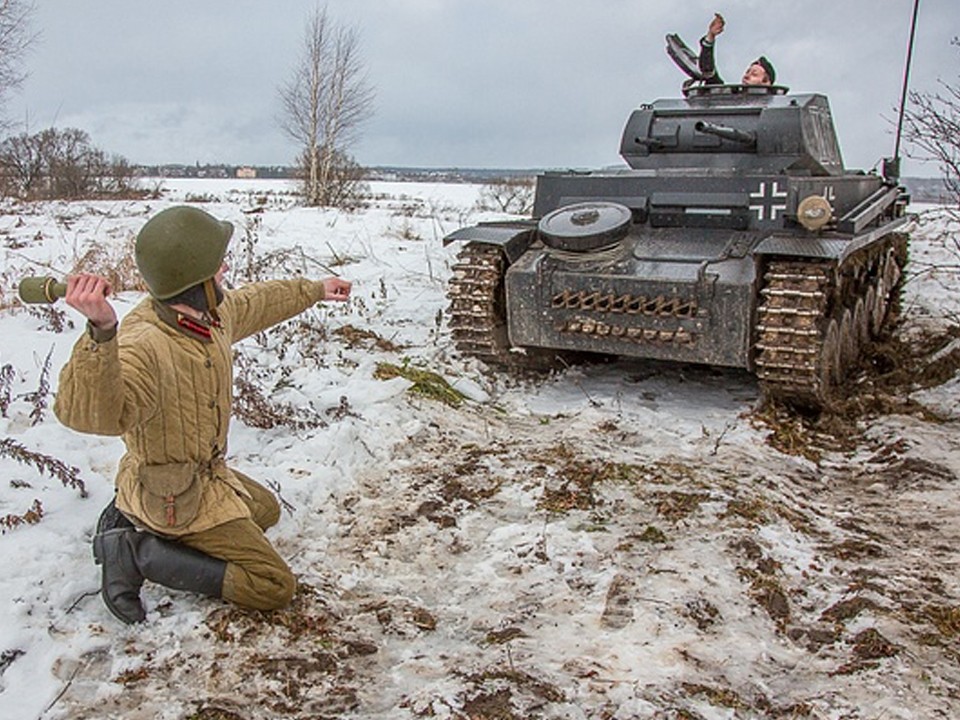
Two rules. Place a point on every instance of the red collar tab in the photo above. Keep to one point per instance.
(193, 326)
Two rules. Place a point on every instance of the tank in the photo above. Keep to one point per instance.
(733, 236)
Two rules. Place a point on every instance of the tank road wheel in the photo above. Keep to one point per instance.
(880, 305)
(893, 277)
(861, 325)
(870, 309)
(478, 312)
(830, 364)
(849, 348)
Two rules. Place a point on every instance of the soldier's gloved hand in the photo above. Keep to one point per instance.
(336, 289)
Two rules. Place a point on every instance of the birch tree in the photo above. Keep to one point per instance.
(325, 102)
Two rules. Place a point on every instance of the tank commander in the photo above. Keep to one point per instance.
(759, 72)
(162, 380)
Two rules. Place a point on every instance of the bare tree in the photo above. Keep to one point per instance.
(932, 128)
(508, 194)
(16, 38)
(61, 164)
(325, 103)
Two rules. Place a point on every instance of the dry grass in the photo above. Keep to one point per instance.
(425, 382)
(116, 263)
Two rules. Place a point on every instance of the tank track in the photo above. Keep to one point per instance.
(478, 315)
(815, 320)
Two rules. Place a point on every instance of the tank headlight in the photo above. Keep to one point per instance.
(814, 212)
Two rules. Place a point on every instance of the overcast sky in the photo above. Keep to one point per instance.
(459, 83)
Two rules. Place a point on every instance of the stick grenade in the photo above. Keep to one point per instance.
(41, 290)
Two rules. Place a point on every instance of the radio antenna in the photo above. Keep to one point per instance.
(892, 171)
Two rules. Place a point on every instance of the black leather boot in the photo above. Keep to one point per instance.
(128, 557)
(120, 578)
(179, 566)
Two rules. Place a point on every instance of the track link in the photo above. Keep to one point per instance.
(816, 320)
(477, 312)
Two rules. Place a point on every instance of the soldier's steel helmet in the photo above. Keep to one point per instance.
(180, 247)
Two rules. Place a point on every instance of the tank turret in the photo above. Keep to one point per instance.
(751, 131)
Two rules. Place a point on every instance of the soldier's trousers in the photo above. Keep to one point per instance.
(256, 576)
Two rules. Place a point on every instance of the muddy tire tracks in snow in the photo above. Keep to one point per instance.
(608, 561)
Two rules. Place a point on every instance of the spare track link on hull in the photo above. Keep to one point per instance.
(814, 322)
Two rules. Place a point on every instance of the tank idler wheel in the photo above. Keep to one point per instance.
(891, 271)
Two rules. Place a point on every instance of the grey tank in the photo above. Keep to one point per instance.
(733, 237)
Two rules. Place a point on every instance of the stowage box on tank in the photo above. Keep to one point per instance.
(734, 237)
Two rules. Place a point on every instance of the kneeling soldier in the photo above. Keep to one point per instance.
(163, 382)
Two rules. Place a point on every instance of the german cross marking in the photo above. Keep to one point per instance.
(768, 200)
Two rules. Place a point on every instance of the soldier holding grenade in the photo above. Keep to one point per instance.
(162, 380)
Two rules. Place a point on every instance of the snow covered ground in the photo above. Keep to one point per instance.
(616, 541)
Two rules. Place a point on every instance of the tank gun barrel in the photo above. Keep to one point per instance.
(727, 133)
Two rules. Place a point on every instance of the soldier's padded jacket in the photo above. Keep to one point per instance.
(169, 394)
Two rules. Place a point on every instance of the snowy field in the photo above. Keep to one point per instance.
(615, 541)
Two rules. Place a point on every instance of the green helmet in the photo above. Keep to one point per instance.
(180, 247)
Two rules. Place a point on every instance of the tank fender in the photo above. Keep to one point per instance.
(513, 238)
(792, 246)
(824, 247)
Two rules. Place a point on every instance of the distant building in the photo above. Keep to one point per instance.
(247, 173)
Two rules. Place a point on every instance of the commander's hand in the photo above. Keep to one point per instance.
(716, 27)
(88, 295)
(336, 289)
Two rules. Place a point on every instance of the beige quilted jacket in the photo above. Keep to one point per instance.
(168, 393)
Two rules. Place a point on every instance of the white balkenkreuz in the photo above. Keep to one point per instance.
(768, 200)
